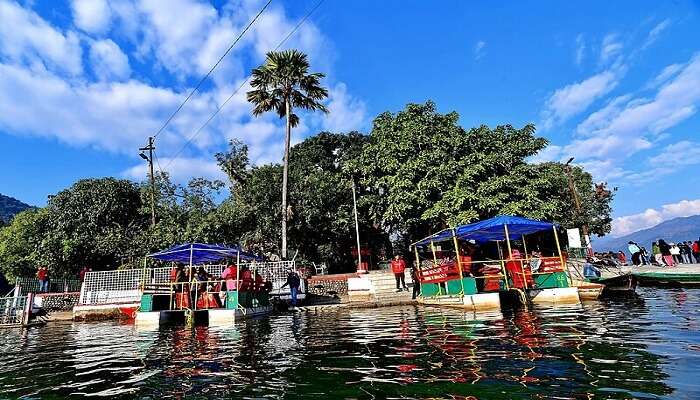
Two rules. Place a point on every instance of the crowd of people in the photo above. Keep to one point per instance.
(662, 253)
(209, 291)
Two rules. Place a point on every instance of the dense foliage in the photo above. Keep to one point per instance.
(417, 172)
(423, 172)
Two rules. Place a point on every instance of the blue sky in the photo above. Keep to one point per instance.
(615, 84)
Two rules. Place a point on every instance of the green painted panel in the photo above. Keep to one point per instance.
(231, 300)
(146, 302)
(550, 281)
(469, 285)
(455, 286)
(429, 289)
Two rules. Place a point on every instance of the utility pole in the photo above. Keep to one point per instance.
(149, 159)
(577, 201)
(357, 226)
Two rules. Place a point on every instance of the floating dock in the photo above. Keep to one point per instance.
(680, 275)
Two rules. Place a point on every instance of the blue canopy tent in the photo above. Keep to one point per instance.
(200, 253)
(491, 229)
(501, 227)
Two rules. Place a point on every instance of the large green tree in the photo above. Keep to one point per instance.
(22, 242)
(283, 83)
(425, 172)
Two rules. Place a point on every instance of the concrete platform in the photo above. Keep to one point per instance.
(680, 275)
(220, 317)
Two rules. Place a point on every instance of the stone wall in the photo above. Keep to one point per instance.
(58, 301)
(329, 285)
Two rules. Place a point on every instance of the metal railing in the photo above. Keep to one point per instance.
(112, 287)
(126, 286)
(58, 285)
(519, 271)
(12, 310)
(188, 295)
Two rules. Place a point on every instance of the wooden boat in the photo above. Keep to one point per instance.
(621, 284)
(615, 280)
(668, 278)
(588, 290)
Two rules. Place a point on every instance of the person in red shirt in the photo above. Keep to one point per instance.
(43, 276)
(398, 266)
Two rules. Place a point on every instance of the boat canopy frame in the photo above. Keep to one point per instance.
(499, 228)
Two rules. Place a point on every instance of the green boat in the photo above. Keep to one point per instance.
(668, 278)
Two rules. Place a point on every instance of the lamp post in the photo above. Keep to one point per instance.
(357, 229)
(577, 201)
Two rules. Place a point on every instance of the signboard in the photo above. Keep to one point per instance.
(445, 270)
(574, 237)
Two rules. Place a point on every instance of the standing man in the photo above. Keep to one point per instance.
(695, 248)
(43, 276)
(398, 266)
(415, 277)
(293, 282)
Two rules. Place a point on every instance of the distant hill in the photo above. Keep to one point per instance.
(673, 230)
(10, 206)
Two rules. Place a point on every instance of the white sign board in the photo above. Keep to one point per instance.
(574, 237)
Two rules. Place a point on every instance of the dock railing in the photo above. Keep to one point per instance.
(126, 286)
(57, 285)
(205, 295)
(491, 275)
(13, 310)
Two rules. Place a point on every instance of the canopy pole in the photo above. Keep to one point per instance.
(524, 247)
(510, 252)
(238, 267)
(191, 257)
(435, 263)
(420, 273)
(458, 258)
(556, 239)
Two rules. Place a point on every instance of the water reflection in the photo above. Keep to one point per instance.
(617, 349)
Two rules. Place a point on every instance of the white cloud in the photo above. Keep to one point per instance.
(25, 38)
(627, 125)
(674, 102)
(111, 116)
(479, 49)
(346, 113)
(180, 169)
(92, 16)
(549, 153)
(650, 217)
(655, 32)
(115, 112)
(575, 98)
(580, 49)
(108, 61)
(610, 48)
(678, 154)
(666, 74)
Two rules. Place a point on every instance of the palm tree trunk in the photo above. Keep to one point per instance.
(285, 170)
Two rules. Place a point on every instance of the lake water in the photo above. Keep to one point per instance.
(647, 347)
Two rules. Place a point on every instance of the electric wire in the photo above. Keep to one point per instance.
(238, 38)
(218, 109)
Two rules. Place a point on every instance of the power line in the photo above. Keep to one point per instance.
(212, 69)
(218, 109)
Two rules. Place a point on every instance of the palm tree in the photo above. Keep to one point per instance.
(281, 84)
